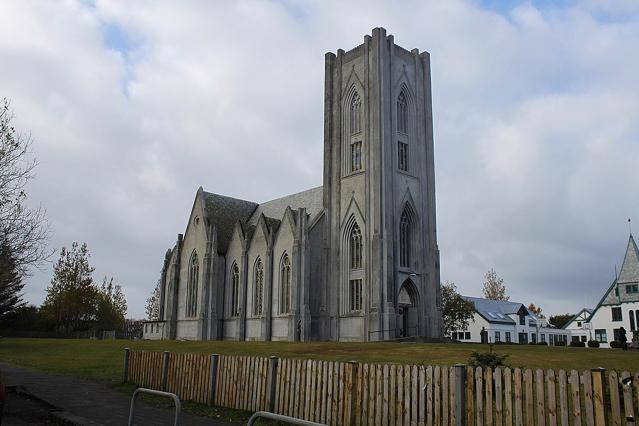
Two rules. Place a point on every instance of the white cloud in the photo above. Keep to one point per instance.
(536, 143)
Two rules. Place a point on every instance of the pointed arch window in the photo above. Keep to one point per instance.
(406, 237)
(353, 294)
(192, 286)
(235, 290)
(356, 114)
(402, 113)
(258, 288)
(285, 285)
(356, 247)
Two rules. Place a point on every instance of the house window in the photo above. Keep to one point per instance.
(543, 337)
(616, 314)
(600, 335)
(356, 114)
(356, 248)
(497, 336)
(285, 285)
(533, 337)
(402, 113)
(617, 291)
(467, 336)
(192, 287)
(356, 156)
(235, 290)
(355, 295)
(579, 324)
(632, 288)
(508, 338)
(631, 314)
(258, 287)
(583, 338)
(522, 319)
(405, 236)
(402, 156)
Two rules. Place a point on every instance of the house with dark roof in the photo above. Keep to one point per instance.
(503, 321)
(355, 259)
(619, 306)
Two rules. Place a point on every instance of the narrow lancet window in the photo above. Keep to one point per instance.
(235, 290)
(405, 237)
(285, 285)
(356, 156)
(356, 248)
(402, 156)
(356, 113)
(192, 287)
(402, 114)
(258, 288)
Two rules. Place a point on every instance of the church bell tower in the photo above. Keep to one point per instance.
(382, 275)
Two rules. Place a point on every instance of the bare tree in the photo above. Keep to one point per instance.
(25, 231)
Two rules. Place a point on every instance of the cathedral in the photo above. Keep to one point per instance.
(353, 260)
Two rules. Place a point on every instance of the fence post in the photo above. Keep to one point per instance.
(272, 372)
(460, 394)
(352, 391)
(127, 354)
(213, 378)
(598, 395)
(165, 370)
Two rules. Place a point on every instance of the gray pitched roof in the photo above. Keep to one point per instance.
(630, 268)
(586, 311)
(497, 310)
(224, 212)
(311, 199)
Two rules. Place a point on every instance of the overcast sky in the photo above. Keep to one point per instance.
(134, 105)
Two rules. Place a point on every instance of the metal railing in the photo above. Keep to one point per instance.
(280, 418)
(414, 327)
(178, 404)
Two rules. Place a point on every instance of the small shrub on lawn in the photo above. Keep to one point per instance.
(577, 344)
(487, 360)
(532, 343)
(560, 343)
(615, 344)
(542, 343)
(593, 344)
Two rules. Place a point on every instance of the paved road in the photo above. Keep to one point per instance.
(90, 403)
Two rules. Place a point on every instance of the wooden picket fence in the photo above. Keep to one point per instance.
(338, 393)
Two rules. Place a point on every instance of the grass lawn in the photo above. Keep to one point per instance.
(103, 359)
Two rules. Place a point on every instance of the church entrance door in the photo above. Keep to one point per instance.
(407, 301)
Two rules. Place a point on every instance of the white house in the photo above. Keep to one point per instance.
(619, 306)
(579, 327)
(508, 322)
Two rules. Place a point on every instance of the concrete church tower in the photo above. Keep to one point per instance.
(353, 260)
(382, 273)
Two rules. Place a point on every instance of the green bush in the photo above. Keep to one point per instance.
(577, 344)
(560, 343)
(532, 343)
(542, 343)
(593, 344)
(615, 344)
(487, 360)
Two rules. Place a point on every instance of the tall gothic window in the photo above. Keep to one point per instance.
(402, 113)
(356, 273)
(356, 156)
(192, 287)
(235, 290)
(258, 288)
(356, 248)
(356, 114)
(285, 285)
(405, 237)
(402, 156)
